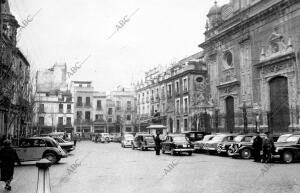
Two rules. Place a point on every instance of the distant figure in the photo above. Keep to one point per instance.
(257, 147)
(157, 144)
(75, 139)
(268, 147)
(65, 137)
(8, 157)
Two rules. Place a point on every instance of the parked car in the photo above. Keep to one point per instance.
(195, 135)
(177, 143)
(284, 137)
(199, 145)
(104, 138)
(36, 148)
(127, 140)
(289, 150)
(65, 145)
(219, 139)
(143, 142)
(243, 146)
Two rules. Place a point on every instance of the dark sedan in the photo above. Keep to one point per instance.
(195, 135)
(289, 150)
(177, 144)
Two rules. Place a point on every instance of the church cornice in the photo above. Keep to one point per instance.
(242, 21)
(276, 60)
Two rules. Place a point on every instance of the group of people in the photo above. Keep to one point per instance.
(265, 145)
(8, 158)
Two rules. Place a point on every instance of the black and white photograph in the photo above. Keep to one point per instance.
(151, 96)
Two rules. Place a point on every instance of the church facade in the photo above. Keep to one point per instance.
(252, 49)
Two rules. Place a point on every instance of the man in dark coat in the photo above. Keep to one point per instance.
(8, 157)
(157, 144)
(257, 147)
(268, 147)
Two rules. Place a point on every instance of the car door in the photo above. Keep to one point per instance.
(297, 151)
(164, 143)
(35, 152)
(23, 150)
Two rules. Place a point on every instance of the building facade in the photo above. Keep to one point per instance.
(251, 49)
(15, 87)
(178, 94)
(54, 102)
(100, 112)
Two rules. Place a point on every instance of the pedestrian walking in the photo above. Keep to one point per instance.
(8, 158)
(75, 139)
(268, 147)
(257, 147)
(157, 144)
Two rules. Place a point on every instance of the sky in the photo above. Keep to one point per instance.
(116, 41)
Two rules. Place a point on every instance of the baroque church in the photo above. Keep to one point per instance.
(252, 49)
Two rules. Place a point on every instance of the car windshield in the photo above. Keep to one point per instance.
(283, 138)
(128, 137)
(149, 138)
(238, 138)
(180, 139)
(207, 137)
(218, 138)
(293, 139)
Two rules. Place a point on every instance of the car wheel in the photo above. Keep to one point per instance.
(246, 153)
(287, 157)
(142, 148)
(172, 152)
(51, 157)
(163, 151)
(190, 153)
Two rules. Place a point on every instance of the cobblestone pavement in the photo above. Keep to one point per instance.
(108, 168)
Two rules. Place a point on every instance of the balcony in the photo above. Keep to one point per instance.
(69, 111)
(83, 122)
(99, 121)
(79, 104)
(99, 108)
(61, 110)
(87, 105)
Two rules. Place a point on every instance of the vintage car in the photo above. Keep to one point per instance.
(36, 148)
(104, 138)
(195, 135)
(289, 150)
(212, 145)
(223, 147)
(177, 143)
(143, 142)
(127, 140)
(283, 138)
(199, 145)
(243, 146)
(65, 145)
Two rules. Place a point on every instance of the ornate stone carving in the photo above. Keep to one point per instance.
(277, 45)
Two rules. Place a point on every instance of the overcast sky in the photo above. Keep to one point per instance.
(159, 32)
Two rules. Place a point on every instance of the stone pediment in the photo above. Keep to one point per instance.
(277, 45)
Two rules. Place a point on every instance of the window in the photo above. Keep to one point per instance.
(128, 129)
(69, 108)
(110, 111)
(177, 106)
(163, 107)
(163, 91)
(185, 85)
(99, 105)
(118, 118)
(228, 59)
(169, 90)
(118, 108)
(177, 86)
(79, 115)
(185, 124)
(60, 121)
(41, 108)
(109, 120)
(61, 108)
(185, 105)
(69, 121)
(88, 101)
(41, 120)
(128, 117)
(129, 105)
(87, 115)
(79, 101)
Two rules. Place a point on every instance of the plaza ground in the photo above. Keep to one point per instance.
(108, 168)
